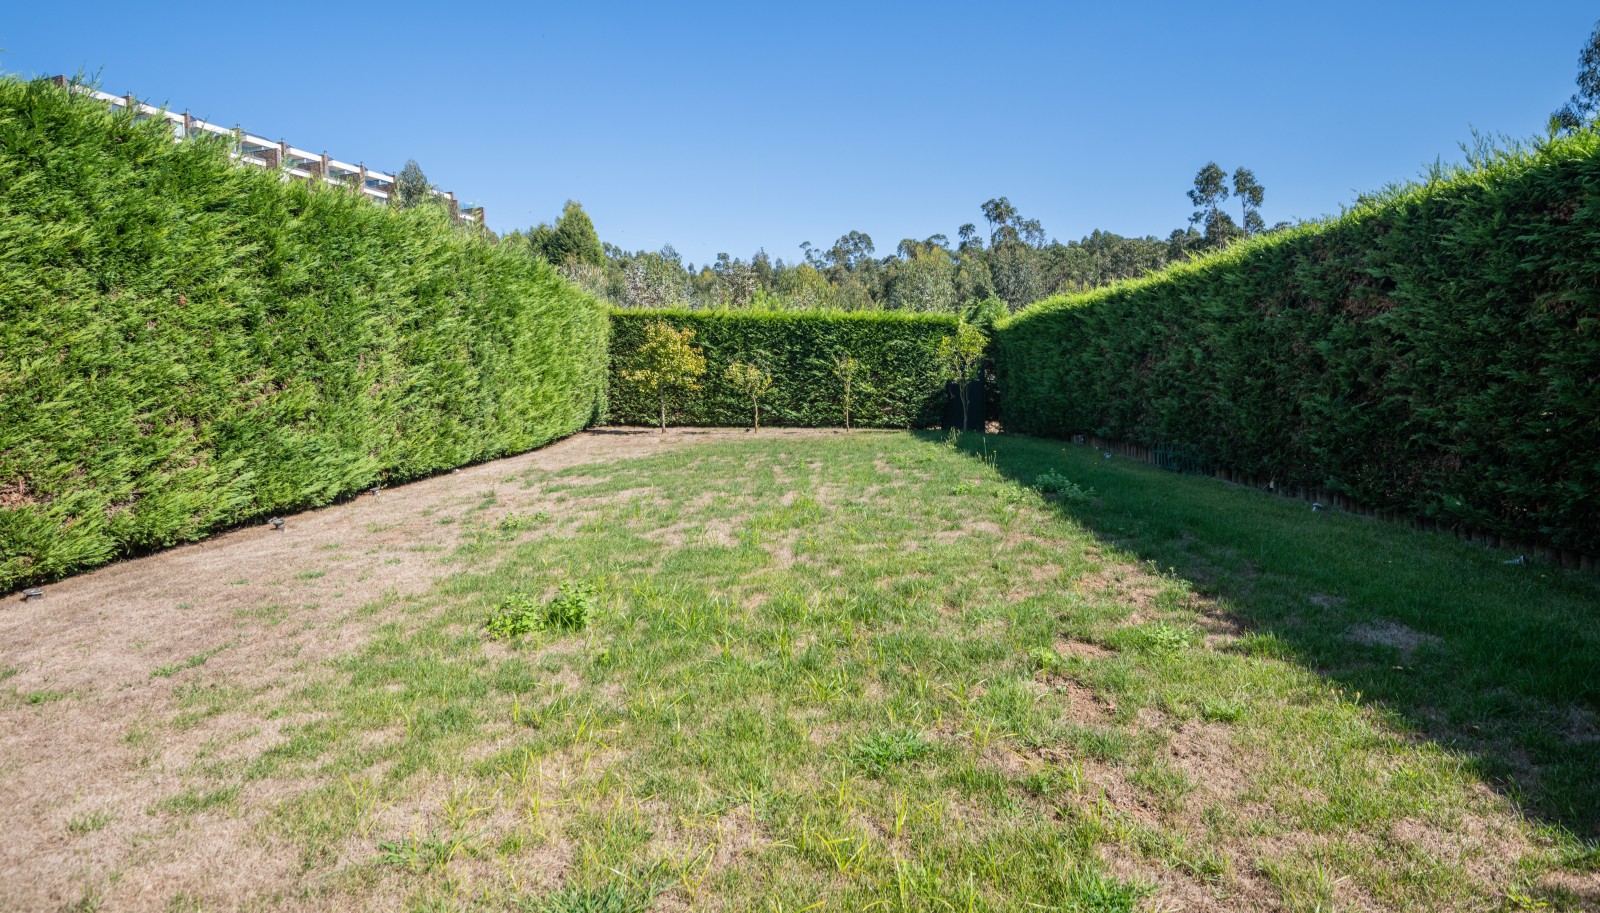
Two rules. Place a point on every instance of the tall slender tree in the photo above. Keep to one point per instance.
(999, 213)
(1250, 195)
(970, 240)
(1581, 109)
(1210, 191)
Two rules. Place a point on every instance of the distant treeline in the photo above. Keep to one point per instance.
(1009, 258)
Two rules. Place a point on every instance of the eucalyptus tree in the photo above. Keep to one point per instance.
(1209, 192)
(1250, 194)
(999, 213)
(1581, 109)
(736, 282)
(922, 277)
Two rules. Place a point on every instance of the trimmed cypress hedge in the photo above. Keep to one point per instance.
(1435, 353)
(900, 386)
(186, 343)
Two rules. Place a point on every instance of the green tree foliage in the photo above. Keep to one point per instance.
(1014, 263)
(752, 382)
(985, 314)
(925, 277)
(412, 188)
(897, 382)
(651, 279)
(187, 344)
(1433, 352)
(1580, 110)
(1209, 192)
(571, 242)
(960, 356)
(1250, 195)
(1216, 228)
(665, 363)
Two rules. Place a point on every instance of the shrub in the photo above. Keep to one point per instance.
(189, 344)
(1433, 353)
(897, 383)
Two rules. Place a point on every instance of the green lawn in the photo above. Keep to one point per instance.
(875, 671)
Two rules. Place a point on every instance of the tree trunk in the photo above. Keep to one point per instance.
(757, 404)
(663, 413)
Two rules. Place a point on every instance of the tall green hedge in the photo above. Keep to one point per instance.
(900, 385)
(186, 343)
(1435, 353)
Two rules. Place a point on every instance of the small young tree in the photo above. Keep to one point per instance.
(666, 363)
(845, 367)
(960, 355)
(752, 382)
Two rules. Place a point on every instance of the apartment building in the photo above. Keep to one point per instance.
(277, 155)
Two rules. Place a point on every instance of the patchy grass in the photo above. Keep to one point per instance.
(88, 822)
(874, 671)
(195, 661)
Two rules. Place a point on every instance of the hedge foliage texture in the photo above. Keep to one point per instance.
(186, 343)
(1434, 352)
(899, 384)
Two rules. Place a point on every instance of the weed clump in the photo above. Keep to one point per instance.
(517, 522)
(1062, 488)
(1157, 639)
(607, 899)
(886, 748)
(1046, 661)
(521, 613)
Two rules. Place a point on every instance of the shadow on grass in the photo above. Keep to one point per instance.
(1498, 663)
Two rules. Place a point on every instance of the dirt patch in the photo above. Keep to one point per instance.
(14, 495)
(782, 550)
(1178, 891)
(1123, 584)
(1208, 756)
(1584, 886)
(1392, 634)
(1081, 648)
(1074, 700)
(1486, 849)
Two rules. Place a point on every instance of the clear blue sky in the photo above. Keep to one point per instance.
(728, 127)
